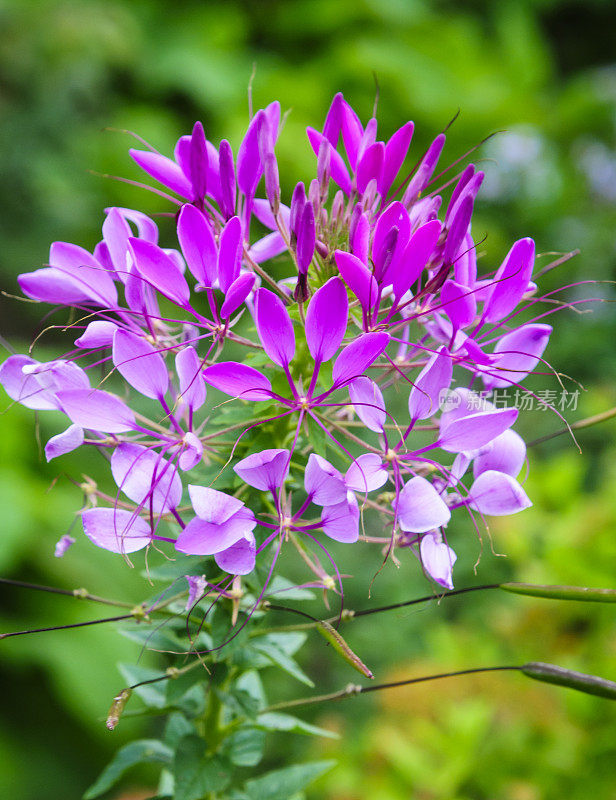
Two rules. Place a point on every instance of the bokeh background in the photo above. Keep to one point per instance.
(543, 73)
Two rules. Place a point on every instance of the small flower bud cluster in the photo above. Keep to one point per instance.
(380, 298)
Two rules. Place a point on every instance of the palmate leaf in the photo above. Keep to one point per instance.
(279, 658)
(139, 752)
(282, 784)
(276, 721)
(196, 773)
(245, 746)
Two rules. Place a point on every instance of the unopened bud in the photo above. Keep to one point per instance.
(117, 707)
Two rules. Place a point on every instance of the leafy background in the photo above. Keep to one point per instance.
(541, 71)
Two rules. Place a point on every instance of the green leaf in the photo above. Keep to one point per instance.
(244, 747)
(197, 774)
(178, 687)
(177, 728)
(139, 752)
(240, 702)
(172, 570)
(275, 721)
(289, 642)
(282, 784)
(287, 590)
(152, 638)
(282, 660)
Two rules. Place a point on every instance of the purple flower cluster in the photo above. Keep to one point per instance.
(380, 299)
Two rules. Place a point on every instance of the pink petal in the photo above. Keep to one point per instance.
(323, 482)
(432, 381)
(146, 477)
(475, 430)
(239, 559)
(160, 272)
(326, 320)
(213, 506)
(421, 508)
(96, 410)
(459, 303)
(507, 453)
(164, 170)
(521, 350)
(511, 281)
(140, 364)
(497, 494)
(116, 529)
(368, 403)
(356, 357)
(97, 334)
(238, 380)
(64, 442)
(341, 521)
(366, 474)
(358, 278)
(266, 470)
(437, 559)
(192, 386)
(274, 327)
(236, 294)
(198, 245)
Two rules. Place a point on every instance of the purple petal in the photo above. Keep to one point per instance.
(339, 172)
(391, 236)
(333, 120)
(341, 521)
(266, 470)
(521, 350)
(458, 229)
(326, 320)
(421, 508)
(85, 271)
(62, 545)
(64, 442)
(97, 334)
(213, 506)
(432, 381)
(306, 238)
(511, 281)
(53, 286)
(368, 402)
(416, 255)
(192, 386)
(196, 589)
(227, 179)
(96, 410)
(497, 494)
(146, 477)
(323, 482)
(274, 327)
(475, 430)
(238, 380)
(239, 559)
(207, 538)
(370, 166)
(358, 356)
(366, 474)
(198, 245)
(146, 227)
(395, 153)
(198, 161)
(230, 253)
(34, 385)
(164, 170)
(116, 233)
(359, 236)
(191, 453)
(459, 303)
(268, 247)
(116, 529)
(437, 559)
(140, 364)
(249, 166)
(160, 272)
(424, 172)
(236, 294)
(352, 133)
(507, 453)
(465, 265)
(358, 278)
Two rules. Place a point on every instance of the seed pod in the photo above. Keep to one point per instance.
(340, 646)
(585, 593)
(117, 707)
(589, 684)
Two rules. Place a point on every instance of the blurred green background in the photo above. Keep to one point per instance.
(542, 72)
